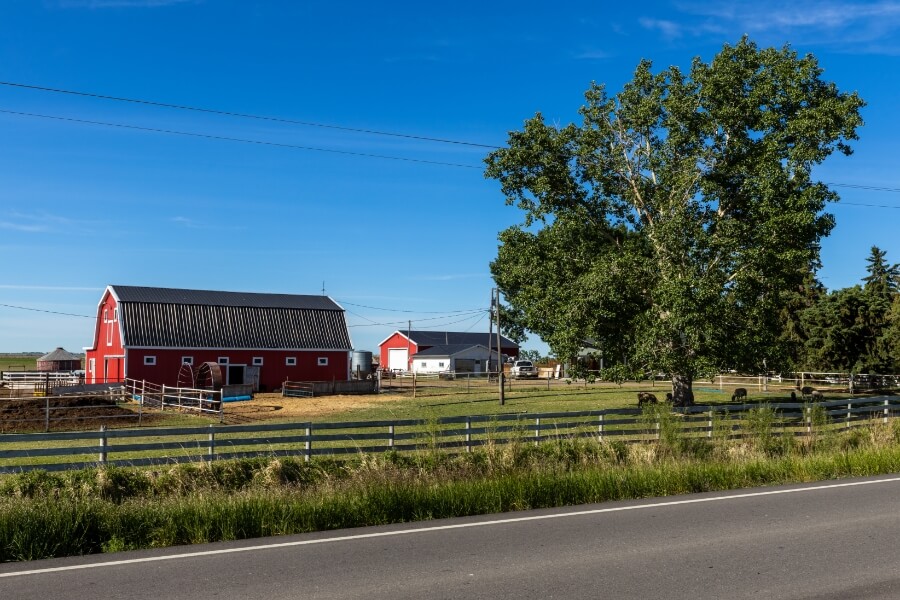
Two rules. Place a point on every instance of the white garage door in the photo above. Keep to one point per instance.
(398, 358)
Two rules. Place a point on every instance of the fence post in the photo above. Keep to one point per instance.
(468, 434)
(468, 379)
(414, 384)
(657, 427)
(46, 414)
(221, 407)
(140, 410)
(885, 411)
(548, 382)
(808, 422)
(537, 431)
(212, 442)
(849, 404)
(390, 436)
(720, 383)
(308, 454)
(600, 428)
(103, 442)
(709, 424)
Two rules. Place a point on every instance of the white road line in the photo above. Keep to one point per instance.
(362, 536)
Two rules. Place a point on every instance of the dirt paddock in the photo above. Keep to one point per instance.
(274, 406)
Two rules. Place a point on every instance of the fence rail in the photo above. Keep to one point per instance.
(155, 446)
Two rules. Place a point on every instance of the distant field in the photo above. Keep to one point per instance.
(18, 362)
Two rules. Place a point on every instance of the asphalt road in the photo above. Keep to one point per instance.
(829, 540)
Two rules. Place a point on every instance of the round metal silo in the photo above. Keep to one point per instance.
(360, 364)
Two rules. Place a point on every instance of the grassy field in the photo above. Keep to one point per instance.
(18, 362)
(431, 403)
(107, 510)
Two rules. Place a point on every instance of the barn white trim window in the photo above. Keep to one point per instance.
(187, 360)
(223, 360)
(257, 361)
(323, 361)
(290, 361)
(150, 361)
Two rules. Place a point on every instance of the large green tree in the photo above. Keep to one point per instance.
(668, 223)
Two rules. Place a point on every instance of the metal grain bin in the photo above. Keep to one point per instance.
(360, 364)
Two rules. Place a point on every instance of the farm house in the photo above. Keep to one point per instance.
(399, 348)
(148, 333)
(456, 358)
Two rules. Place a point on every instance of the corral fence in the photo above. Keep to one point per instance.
(152, 395)
(449, 382)
(833, 382)
(452, 383)
(160, 446)
(36, 383)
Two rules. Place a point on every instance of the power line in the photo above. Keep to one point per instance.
(865, 187)
(233, 139)
(372, 323)
(52, 312)
(421, 312)
(869, 205)
(246, 115)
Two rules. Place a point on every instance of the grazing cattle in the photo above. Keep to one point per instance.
(806, 391)
(646, 398)
(739, 394)
(817, 395)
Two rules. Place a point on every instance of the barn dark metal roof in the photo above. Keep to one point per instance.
(450, 349)
(175, 318)
(128, 293)
(436, 338)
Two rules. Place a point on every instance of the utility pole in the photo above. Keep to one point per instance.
(496, 304)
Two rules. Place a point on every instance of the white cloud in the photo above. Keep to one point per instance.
(865, 27)
(593, 55)
(93, 4)
(194, 224)
(669, 29)
(24, 227)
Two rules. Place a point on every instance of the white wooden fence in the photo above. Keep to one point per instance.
(156, 446)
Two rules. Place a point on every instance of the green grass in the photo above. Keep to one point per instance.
(18, 362)
(111, 509)
(531, 397)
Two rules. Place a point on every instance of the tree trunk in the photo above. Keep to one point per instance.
(682, 392)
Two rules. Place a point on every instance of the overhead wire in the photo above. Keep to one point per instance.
(284, 120)
(240, 140)
(228, 113)
(372, 323)
(52, 312)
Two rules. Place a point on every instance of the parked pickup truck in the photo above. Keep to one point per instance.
(522, 369)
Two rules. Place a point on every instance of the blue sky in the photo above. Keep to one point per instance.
(85, 205)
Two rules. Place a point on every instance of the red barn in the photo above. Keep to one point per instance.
(148, 333)
(397, 350)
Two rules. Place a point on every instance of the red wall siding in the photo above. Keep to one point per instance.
(272, 373)
(396, 341)
(107, 350)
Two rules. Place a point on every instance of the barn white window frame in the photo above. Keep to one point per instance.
(222, 360)
(150, 360)
(290, 361)
(187, 360)
(92, 365)
(257, 361)
(322, 361)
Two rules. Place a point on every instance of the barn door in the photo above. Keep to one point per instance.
(251, 377)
